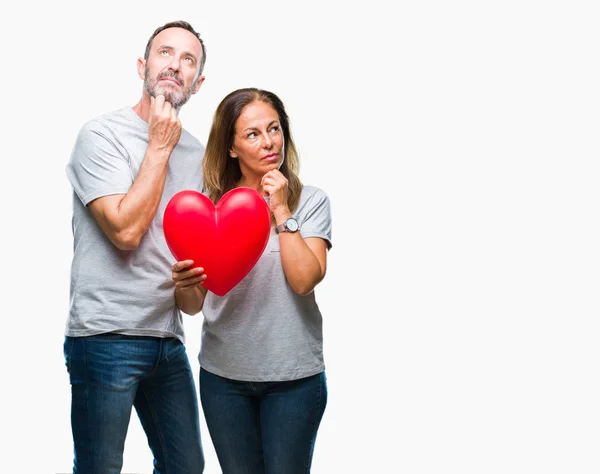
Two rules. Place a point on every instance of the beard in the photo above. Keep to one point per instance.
(175, 97)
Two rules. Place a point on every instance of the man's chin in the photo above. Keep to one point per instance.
(176, 100)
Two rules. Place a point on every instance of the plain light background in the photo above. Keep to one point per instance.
(458, 142)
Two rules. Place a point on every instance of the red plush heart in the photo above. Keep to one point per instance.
(226, 240)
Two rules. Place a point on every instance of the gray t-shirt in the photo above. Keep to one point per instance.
(112, 290)
(261, 330)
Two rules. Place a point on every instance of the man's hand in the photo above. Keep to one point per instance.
(164, 127)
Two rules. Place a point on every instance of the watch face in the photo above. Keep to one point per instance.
(292, 224)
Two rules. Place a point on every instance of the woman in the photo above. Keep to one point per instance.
(262, 381)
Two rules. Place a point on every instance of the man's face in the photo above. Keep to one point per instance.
(172, 66)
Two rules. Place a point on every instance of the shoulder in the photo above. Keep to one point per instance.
(103, 135)
(190, 140)
(314, 201)
(312, 192)
(102, 124)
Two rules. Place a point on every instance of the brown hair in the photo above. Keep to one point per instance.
(221, 172)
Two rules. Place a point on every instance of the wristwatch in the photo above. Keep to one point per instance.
(289, 225)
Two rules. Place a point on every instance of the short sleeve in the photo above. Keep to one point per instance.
(97, 168)
(315, 216)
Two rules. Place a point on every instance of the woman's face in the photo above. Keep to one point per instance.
(258, 139)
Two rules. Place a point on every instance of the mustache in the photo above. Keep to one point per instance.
(170, 74)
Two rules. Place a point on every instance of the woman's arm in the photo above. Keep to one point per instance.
(304, 260)
(189, 292)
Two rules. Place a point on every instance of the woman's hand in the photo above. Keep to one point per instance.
(275, 186)
(189, 292)
(185, 277)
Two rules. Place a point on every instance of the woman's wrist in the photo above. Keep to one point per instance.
(281, 215)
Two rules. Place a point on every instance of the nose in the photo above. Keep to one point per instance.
(175, 63)
(267, 142)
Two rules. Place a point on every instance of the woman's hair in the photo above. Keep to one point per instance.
(221, 172)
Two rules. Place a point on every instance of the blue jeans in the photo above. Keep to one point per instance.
(263, 427)
(110, 374)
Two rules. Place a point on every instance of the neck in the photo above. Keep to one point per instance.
(252, 182)
(142, 108)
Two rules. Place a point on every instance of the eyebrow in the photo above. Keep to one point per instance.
(170, 48)
(254, 128)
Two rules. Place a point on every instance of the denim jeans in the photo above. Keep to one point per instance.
(263, 427)
(110, 374)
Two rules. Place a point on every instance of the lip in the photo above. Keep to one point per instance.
(270, 158)
(170, 79)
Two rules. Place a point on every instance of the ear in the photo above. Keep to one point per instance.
(233, 154)
(198, 84)
(141, 67)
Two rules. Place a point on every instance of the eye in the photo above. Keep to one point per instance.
(190, 60)
(252, 135)
(275, 128)
(163, 52)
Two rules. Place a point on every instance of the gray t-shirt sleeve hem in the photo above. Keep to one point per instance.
(306, 235)
(98, 194)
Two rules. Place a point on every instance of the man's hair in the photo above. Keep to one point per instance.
(186, 26)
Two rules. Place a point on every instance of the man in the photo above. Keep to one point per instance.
(124, 334)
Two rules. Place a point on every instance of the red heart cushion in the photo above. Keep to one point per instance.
(226, 240)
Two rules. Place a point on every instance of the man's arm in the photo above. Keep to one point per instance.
(125, 218)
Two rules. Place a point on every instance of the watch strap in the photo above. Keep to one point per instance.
(283, 227)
